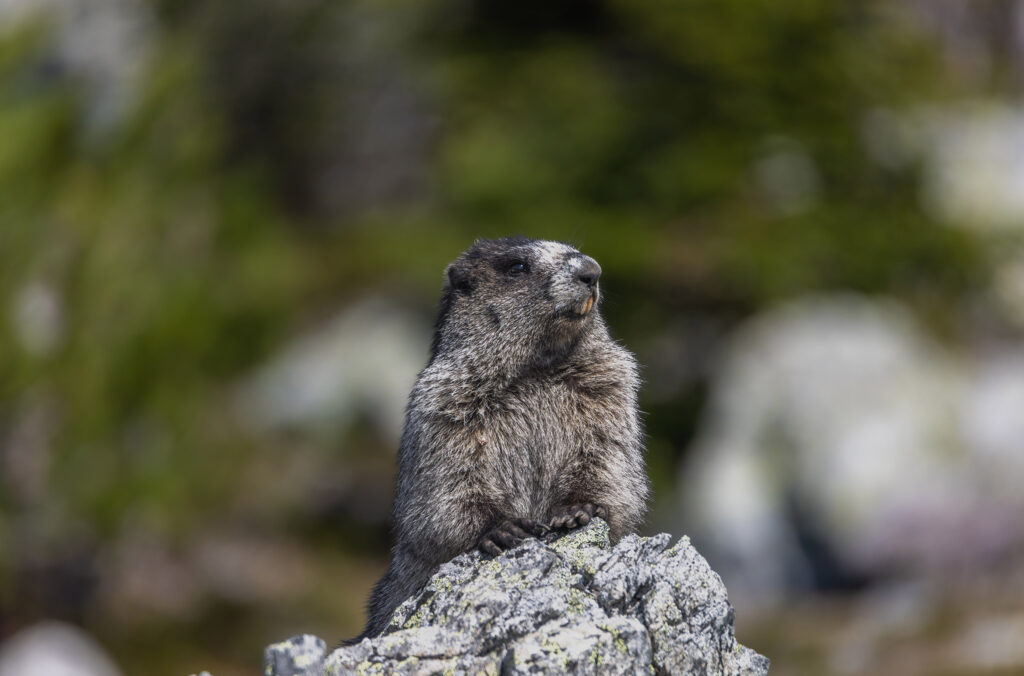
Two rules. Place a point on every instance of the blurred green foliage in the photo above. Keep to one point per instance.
(172, 275)
(187, 242)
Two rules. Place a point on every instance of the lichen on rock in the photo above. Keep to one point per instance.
(577, 605)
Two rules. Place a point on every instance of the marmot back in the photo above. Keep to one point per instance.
(523, 422)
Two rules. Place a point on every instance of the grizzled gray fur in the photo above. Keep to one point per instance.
(523, 423)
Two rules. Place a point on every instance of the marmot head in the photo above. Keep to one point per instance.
(519, 302)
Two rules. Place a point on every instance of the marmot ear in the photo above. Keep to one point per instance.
(460, 279)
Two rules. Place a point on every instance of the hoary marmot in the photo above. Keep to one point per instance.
(524, 422)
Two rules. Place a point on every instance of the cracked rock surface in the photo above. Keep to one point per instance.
(577, 605)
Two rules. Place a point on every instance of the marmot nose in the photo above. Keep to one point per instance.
(589, 272)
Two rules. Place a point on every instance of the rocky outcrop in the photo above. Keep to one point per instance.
(576, 605)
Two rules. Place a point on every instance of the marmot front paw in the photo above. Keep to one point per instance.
(509, 533)
(573, 516)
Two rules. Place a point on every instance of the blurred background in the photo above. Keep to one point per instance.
(222, 234)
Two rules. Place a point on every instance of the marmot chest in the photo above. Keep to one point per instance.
(539, 430)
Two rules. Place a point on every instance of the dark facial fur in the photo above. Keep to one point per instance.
(524, 419)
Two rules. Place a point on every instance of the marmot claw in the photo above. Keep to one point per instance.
(574, 516)
(510, 533)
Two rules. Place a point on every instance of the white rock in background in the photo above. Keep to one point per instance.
(842, 410)
(972, 159)
(54, 649)
(974, 166)
(993, 421)
(1008, 286)
(37, 318)
(103, 44)
(364, 361)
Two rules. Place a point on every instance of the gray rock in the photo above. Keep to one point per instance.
(294, 657)
(577, 605)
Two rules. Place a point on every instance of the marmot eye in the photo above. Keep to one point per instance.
(518, 268)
